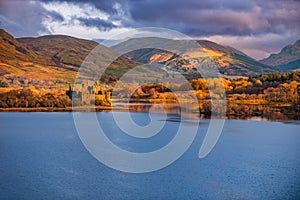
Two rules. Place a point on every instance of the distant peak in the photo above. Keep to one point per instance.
(297, 42)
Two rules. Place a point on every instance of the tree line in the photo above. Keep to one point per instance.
(276, 88)
(29, 98)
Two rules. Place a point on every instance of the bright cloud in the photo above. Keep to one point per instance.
(71, 10)
(83, 20)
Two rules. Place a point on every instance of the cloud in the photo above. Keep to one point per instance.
(104, 5)
(218, 17)
(242, 24)
(21, 17)
(97, 22)
(255, 27)
(70, 10)
(34, 18)
(258, 46)
(84, 20)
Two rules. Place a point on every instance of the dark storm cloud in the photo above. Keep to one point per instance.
(24, 18)
(14, 17)
(218, 17)
(193, 17)
(107, 6)
(96, 22)
(274, 21)
(54, 16)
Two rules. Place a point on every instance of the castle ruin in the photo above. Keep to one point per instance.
(87, 93)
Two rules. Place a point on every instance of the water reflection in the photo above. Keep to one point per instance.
(234, 111)
(169, 108)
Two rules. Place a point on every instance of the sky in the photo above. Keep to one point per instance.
(255, 27)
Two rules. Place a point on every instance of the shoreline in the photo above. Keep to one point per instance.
(271, 115)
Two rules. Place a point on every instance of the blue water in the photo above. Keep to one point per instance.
(42, 157)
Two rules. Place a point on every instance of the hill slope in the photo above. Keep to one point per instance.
(18, 59)
(287, 59)
(233, 62)
(228, 60)
(14, 50)
(60, 48)
(50, 57)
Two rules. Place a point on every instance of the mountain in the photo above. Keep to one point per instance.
(14, 50)
(287, 59)
(17, 58)
(229, 61)
(60, 48)
(58, 57)
(233, 62)
(51, 57)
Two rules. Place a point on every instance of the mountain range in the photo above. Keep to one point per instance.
(49, 57)
(230, 61)
(60, 56)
